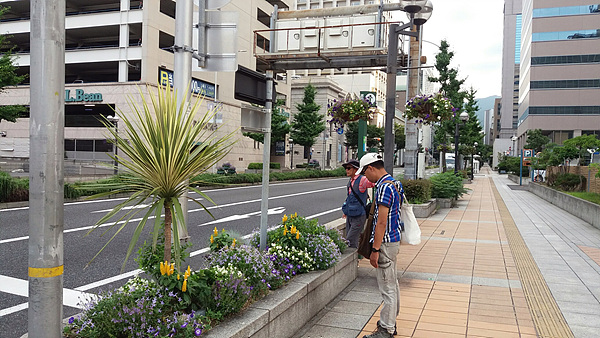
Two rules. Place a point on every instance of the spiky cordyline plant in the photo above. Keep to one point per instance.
(158, 152)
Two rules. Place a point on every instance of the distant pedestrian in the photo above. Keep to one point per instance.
(356, 200)
(386, 241)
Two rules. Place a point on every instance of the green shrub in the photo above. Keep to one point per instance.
(272, 165)
(13, 189)
(417, 191)
(567, 181)
(512, 164)
(447, 185)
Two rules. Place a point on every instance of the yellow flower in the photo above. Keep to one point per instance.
(233, 244)
(223, 230)
(177, 276)
(284, 219)
(298, 235)
(215, 231)
(184, 287)
(163, 270)
(293, 229)
(212, 239)
(189, 270)
(295, 215)
(171, 269)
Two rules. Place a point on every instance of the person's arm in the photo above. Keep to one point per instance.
(365, 184)
(382, 216)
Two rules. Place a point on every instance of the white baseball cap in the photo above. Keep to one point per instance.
(368, 158)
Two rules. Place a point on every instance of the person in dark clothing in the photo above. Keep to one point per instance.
(354, 206)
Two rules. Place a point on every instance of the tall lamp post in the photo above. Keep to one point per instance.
(513, 139)
(473, 160)
(463, 118)
(291, 153)
(115, 122)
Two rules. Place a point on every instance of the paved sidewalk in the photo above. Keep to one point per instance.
(476, 273)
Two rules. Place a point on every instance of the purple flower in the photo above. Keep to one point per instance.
(184, 325)
(197, 332)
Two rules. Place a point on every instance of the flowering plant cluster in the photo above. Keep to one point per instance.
(349, 109)
(428, 109)
(186, 304)
(141, 308)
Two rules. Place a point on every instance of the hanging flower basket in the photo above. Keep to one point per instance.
(349, 109)
(429, 109)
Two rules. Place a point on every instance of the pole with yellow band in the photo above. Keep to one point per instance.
(46, 272)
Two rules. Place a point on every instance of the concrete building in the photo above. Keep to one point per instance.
(559, 90)
(511, 49)
(114, 47)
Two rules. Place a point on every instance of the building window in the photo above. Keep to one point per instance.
(564, 11)
(565, 35)
(565, 59)
(565, 84)
(565, 110)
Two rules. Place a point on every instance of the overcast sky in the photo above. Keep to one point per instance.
(473, 29)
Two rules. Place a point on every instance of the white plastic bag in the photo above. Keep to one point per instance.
(412, 232)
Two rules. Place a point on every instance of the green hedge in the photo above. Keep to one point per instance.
(447, 185)
(272, 165)
(417, 191)
(13, 189)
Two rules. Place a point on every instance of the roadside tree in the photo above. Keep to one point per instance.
(308, 122)
(8, 76)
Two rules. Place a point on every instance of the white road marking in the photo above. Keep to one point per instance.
(20, 287)
(191, 192)
(72, 297)
(189, 211)
(140, 206)
(273, 211)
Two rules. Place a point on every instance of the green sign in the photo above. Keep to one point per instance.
(81, 96)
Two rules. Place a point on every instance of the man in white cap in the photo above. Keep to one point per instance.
(386, 240)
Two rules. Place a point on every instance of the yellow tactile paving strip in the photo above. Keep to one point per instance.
(470, 243)
(547, 317)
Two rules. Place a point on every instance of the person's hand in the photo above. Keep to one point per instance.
(374, 258)
(344, 216)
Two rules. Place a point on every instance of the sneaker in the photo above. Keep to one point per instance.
(379, 326)
(380, 333)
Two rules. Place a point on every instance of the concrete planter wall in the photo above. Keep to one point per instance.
(426, 209)
(445, 202)
(587, 211)
(285, 311)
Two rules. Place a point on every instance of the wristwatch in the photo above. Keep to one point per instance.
(375, 250)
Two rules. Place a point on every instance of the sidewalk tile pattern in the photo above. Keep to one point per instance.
(462, 280)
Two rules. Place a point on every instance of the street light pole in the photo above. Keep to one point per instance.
(473, 160)
(115, 122)
(291, 153)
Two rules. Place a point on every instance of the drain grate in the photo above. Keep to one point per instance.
(547, 317)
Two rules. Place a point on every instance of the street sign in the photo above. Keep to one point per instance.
(220, 45)
(527, 152)
(370, 97)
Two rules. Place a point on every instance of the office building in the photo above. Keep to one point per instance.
(116, 47)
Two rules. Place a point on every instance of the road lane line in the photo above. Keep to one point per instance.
(9, 240)
(191, 192)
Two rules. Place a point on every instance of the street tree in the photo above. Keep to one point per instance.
(375, 136)
(583, 143)
(308, 123)
(279, 126)
(399, 136)
(160, 156)
(450, 87)
(536, 140)
(8, 76)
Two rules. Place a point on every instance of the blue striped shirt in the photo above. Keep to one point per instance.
(387, 195)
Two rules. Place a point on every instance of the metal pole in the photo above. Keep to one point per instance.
(390, 99)
(46, 156)
(116, 163)
(264, 203)
(410, 167)
(362, 138)
(521, 169)
(182, 76)
(456, 162)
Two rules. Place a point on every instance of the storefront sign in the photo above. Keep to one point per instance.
(198, 87)
(81, 96)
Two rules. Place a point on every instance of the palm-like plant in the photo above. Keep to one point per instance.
(160, 154)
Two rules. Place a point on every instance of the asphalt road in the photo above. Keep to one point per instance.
(237, 209)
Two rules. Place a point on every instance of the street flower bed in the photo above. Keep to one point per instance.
(188, 303)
